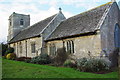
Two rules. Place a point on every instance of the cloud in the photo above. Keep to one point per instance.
(44, 2)
(87, 6)
(84, 1)
(67, 14)
(38, 10)
(3, 26)
(42, 14)
(53, 3)
(36, 14)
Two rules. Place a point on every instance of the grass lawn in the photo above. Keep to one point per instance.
(16, 69)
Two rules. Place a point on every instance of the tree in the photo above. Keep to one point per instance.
(4, 48)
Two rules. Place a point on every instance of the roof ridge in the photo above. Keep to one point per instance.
(91, 9)
(79, 22)
(49, 23)
(101, 5)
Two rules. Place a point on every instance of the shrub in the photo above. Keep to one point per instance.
(42, 59)
(114, 58)
(27, 60)
(3, 57)
(22, 58)
(61, 57)
(69, 63)
(8, 56)
(11, 56)
(93, 64)
(9, 50)
(4, 48)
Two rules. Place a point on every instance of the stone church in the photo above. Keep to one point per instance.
(95, 32)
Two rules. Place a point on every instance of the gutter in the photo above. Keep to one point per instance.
(23, 39)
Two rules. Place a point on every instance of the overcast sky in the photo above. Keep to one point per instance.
(41, 9)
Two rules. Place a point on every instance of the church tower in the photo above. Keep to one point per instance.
(17, 22)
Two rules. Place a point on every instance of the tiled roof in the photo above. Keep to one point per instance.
(81, 23)
(33, 30)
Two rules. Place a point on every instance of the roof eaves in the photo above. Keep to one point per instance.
(23, 39)
(14, 37)
(72, 36)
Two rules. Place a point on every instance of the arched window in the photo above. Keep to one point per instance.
(20, 47)
(67, 46)
(33, 47)
(70, 46)
(52, 49)
(117, 35)
(14, 46)
(21, 22)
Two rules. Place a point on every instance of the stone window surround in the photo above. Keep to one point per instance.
(117, 28)
(33, 47)
(21, 22)
(20, 47)
(52, 46)
(70, 46)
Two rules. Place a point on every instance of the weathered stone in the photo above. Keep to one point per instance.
(26, 47)
(14, 24)
(82, 45)
(94, 38)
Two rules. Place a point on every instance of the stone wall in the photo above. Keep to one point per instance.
(52, 25)
(119, 65)
(26, 47)
(83, 46)
(119, 59)
(107, 29)
(107, 32)
(47, 31)
(15, 26)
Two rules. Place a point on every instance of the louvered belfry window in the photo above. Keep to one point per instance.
(21, 22)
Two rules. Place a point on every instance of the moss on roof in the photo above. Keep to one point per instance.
(96, 7)
(81, 23)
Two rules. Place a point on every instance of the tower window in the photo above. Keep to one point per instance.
(21, 22)
(10, 23)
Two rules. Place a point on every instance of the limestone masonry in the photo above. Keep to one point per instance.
(95, 33)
